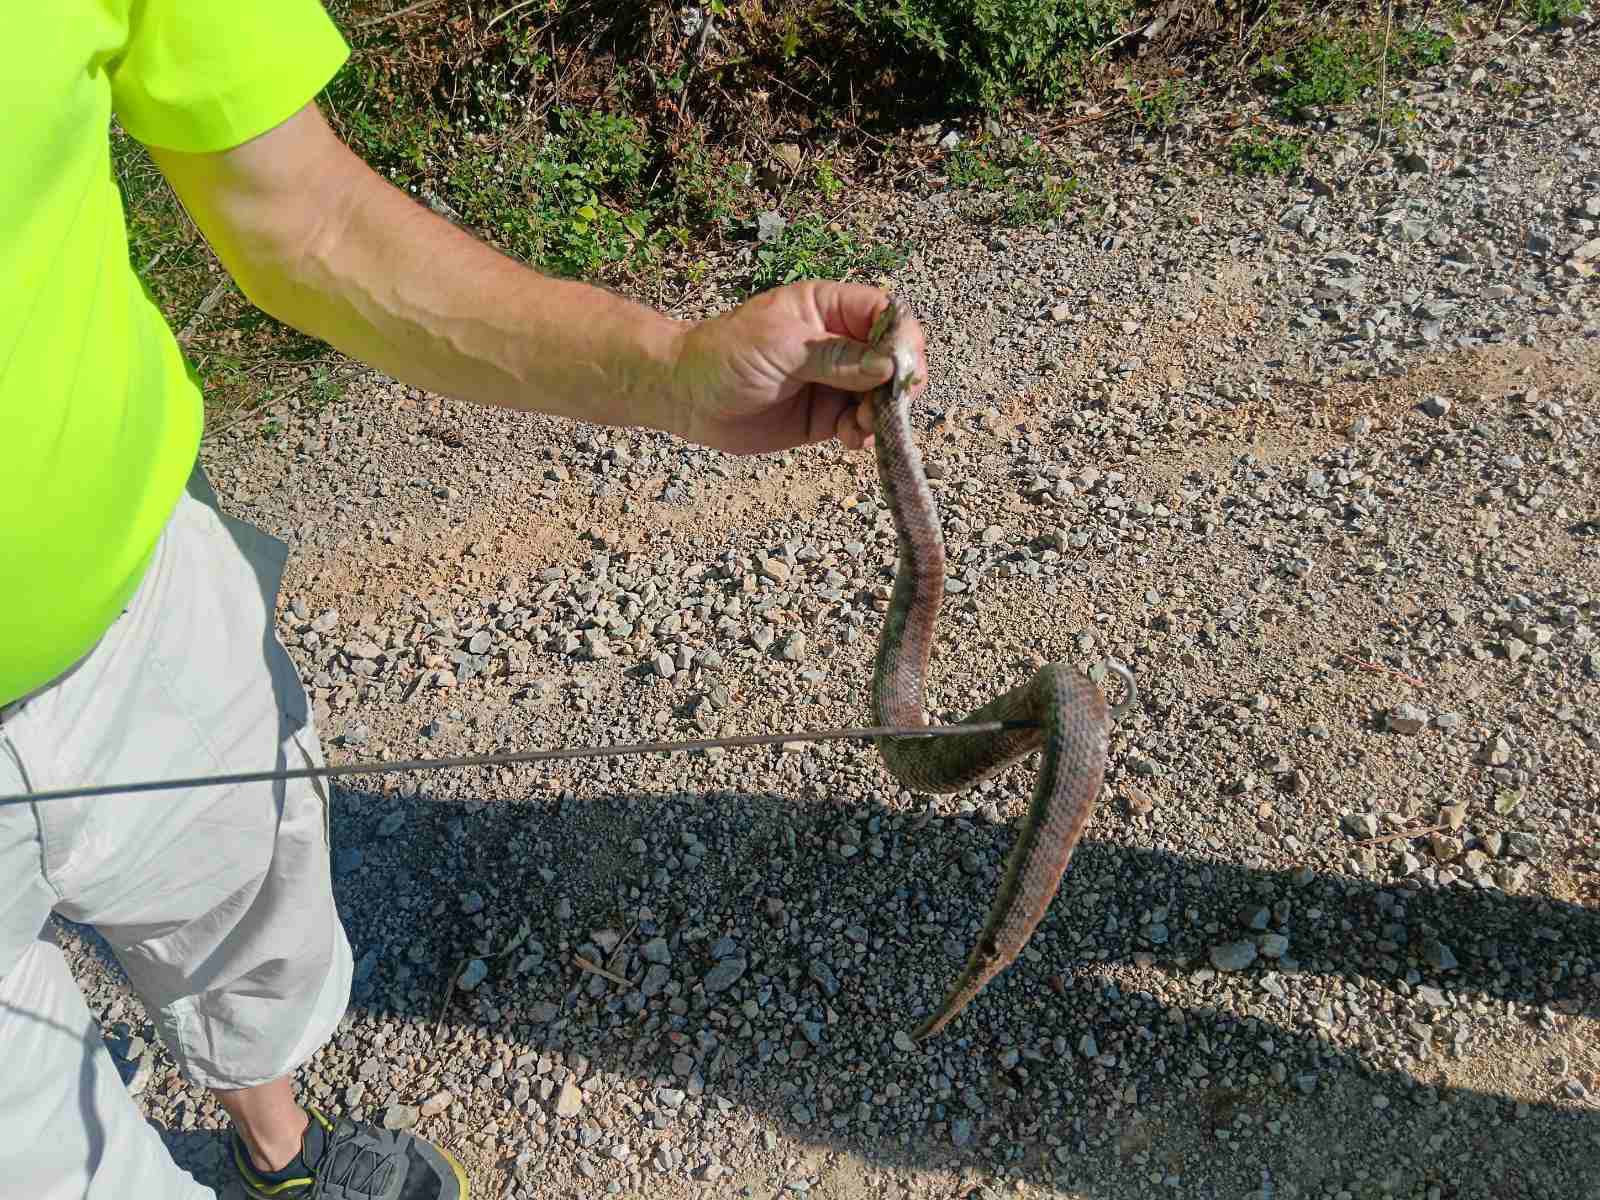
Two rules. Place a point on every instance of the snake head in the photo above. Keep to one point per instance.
(884, 335)
(885, 322)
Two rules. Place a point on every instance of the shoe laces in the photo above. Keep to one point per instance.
(362, 1171)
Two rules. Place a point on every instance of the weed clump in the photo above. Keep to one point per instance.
(1016, 184)
(1267, 156)
(990, 52)
(813, 248)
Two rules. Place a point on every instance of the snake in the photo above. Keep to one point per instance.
(1059, 711)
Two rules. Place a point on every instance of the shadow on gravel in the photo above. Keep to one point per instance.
(805, 1038)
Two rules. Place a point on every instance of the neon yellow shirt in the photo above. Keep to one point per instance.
(100, 418)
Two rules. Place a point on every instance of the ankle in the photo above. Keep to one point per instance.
(275, 1149)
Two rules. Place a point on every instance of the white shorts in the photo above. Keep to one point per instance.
(217, 902)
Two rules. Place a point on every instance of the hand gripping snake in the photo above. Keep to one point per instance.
(1066, 712)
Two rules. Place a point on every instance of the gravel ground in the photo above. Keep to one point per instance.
(1317, 461)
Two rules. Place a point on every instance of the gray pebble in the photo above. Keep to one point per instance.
(400, 1116)
(1233, 956)
(1438, 955)
(1272, 945)
(725, 974)
(1407, 719)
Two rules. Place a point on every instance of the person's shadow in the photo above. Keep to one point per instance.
(833, 927)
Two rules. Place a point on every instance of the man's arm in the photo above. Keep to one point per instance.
(323, 243)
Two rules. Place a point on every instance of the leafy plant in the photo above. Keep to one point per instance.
(1331, 70)
(811, 248)
(1267, 156)
(703, 189)
(1321, 72)
(1156, 110)
(1417, 48)
(569, 201)
(993, 51)
(1049, 201)
(1400, 120)
(970, 167)
(828, 183)
(325, 389)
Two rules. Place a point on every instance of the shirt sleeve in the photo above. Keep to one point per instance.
(205, 75)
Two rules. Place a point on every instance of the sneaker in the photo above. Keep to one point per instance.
(343, 1160)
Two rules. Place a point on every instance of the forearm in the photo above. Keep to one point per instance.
(392, 284)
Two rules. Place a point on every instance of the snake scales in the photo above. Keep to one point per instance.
(1067, 711)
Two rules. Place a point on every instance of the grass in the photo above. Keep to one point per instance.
(1549, 12)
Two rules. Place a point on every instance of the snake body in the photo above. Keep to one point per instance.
(1066, 711)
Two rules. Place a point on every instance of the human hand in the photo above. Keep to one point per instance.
(785, 368)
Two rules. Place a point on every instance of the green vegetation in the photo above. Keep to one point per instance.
(1322, 72)
(1548, 12)
(1337, 69)
(706, 192)
(812, 248)
(1019, 183)
(1156, 109)
(1267, 156)
(971, 167)
(1415, 49)
(570, 200)
(827, 182)
(990, 52)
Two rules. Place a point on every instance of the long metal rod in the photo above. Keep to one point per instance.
(865, 733)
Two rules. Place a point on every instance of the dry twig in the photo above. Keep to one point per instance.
(1383, 90)
(1380, 669)
(204, 307)
(396, 15)
(502, 15)
(1403, 833)
(597, 969)
(449, 990)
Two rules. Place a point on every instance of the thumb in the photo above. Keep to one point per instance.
(845, 363)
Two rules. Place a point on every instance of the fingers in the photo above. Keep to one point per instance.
(850, 429)
(852, 308)
(831, 413)
(846, 364)
(847, 308)
(865, 413)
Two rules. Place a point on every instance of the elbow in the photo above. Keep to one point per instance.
(286, 260)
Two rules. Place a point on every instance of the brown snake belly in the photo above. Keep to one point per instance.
(1068, 711)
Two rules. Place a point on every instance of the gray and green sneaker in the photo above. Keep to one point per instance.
(344, 1160)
